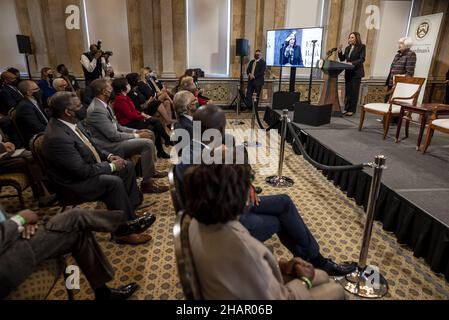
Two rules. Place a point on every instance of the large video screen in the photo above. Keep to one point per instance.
(293, 47)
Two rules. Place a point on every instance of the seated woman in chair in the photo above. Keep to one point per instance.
(231, 264)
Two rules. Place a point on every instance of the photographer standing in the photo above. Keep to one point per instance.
(95, 63)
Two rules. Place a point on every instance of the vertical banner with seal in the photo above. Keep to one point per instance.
(424, 31)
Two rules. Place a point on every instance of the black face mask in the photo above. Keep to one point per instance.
(65, 72)
(81, 114)
(257, 56)
(50, 77)
(37, 95)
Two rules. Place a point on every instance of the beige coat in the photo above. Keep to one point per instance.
(232, 265)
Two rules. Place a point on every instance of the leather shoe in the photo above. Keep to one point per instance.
(258, 190)
(136, 226)
(47, 201)
(337, 270)
(133, 239)
(124, 292)
(160, 174)
(152, 187)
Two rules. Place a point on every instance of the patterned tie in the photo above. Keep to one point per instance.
(88, 144)
(254, 67)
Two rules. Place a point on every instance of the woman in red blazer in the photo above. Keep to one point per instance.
(128, 115)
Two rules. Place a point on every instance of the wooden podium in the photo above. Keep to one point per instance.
(330, 90)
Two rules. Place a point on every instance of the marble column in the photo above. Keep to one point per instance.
(168, 63)
(135, 34)
(238, 32)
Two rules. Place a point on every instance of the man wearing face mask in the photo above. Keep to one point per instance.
(10, 95)
(73, 85)
(31, 118)
(46, 85)
(83, 172)
(256, 77)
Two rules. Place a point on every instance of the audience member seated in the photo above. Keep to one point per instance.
(15, 72)
(191, 73)
(109, 135)
(46, 85)
(186, 105)
(150, 86)
(22, 161)
(127, 113)
(72, 83)
(188, 84)
(31, 118)
(269, 215)
(84, 173)
(145, 101)
(10, 95)
(61, 84)
(217, 196)
(24, 245)
(152, 107)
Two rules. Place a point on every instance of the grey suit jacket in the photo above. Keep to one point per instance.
(232, 265)
(105, 129)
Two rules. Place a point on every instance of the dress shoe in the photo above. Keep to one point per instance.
(349, 114)
(258, 190)
(47, 201)
(133, 239)
(163, 155)
(152, 187)
(136, 226)
(170, 143)
(124, 292)
(160, 174)
(337, 270)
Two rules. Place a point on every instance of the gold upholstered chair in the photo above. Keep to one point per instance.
(405, 90)
(186, 266)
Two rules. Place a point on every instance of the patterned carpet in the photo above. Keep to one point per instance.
(336, 221)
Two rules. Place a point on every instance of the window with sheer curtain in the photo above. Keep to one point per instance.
(9, 54)
(100, 17)
(208, 36)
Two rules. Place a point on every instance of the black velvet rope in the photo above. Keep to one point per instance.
(317, 165)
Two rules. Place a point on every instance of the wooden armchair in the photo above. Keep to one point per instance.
(186, 266)
(19, 181)
(405, 90)
(441, 125)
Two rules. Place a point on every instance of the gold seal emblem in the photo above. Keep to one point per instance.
(321, 64)
(423, 30)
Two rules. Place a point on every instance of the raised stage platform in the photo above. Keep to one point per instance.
(414, 198)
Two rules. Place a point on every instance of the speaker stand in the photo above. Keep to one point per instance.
(28, 65)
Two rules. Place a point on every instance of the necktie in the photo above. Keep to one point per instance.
(155, 86)
(40, 111)
(88, 144)
(254, 67)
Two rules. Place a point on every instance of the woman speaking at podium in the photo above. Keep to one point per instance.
(354, 54)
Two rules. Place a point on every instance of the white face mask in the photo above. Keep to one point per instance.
(153, 74)
(128, 88)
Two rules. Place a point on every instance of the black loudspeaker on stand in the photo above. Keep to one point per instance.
(24, 45)
(306, 112)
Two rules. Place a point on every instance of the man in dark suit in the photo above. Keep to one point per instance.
(10, 96)
(84, 173)
(256, 77)
(23, 246)
(31, 119)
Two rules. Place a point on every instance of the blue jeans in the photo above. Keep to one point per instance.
(278, 214)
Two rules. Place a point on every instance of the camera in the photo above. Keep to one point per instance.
(109, 53)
